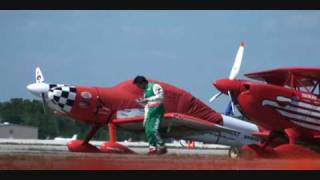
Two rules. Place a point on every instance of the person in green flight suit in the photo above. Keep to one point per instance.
(154, 113)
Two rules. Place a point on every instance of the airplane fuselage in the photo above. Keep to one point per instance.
(278, 108)
(100, 104)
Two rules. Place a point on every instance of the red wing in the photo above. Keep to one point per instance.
(305, 76)
(173, 120)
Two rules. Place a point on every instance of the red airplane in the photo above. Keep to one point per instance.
(186, 116)
(286, 105)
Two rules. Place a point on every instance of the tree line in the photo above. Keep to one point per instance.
(30, 112)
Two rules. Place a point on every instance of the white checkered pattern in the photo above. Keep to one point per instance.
(62, 95)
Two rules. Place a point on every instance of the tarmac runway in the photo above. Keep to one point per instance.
(57, 157)
(62, 149)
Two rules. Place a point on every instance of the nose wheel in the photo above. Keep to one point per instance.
(234, 152)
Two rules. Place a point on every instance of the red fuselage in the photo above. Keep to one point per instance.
(101, 104)
(275, 107)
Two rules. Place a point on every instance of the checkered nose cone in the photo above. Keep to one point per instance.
(63, 96)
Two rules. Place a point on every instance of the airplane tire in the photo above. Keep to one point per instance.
(234, 152)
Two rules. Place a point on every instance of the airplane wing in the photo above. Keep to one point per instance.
(306, 76)
(174, 120)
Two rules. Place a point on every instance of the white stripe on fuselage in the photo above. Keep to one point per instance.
(299, 103)
(301, 115)
(291, 108)
(309, 126)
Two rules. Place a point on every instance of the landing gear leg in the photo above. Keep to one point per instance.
(293, 136)
(264, 150)
(282, 150)
(112, 146)
(273, 135)
(85, 146)
(294, 150)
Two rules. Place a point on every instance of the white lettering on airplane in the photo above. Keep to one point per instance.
(309, 96)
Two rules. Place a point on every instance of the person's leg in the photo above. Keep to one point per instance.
(159, 140)
(154, 118)
(160, 143)
(150, 131)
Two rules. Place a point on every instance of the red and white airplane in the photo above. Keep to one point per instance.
(286, 105)
(186, 116)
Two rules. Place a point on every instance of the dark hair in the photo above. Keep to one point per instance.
(139, 80)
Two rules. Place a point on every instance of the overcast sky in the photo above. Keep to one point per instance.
(189, 49)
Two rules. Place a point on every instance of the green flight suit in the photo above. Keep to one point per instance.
(154, 112)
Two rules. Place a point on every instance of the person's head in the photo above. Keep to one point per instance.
(141, 82)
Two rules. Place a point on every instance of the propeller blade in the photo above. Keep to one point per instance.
(215, 96)
(237, 62)
(39, 76)
(231, 102)
(43, 102)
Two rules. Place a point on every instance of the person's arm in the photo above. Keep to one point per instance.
(159, 94)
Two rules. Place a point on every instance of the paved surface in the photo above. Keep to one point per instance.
(56, 157)
(62, 149)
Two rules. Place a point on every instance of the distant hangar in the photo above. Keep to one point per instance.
(15, 131)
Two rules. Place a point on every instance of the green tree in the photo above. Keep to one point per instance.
(30, 113)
